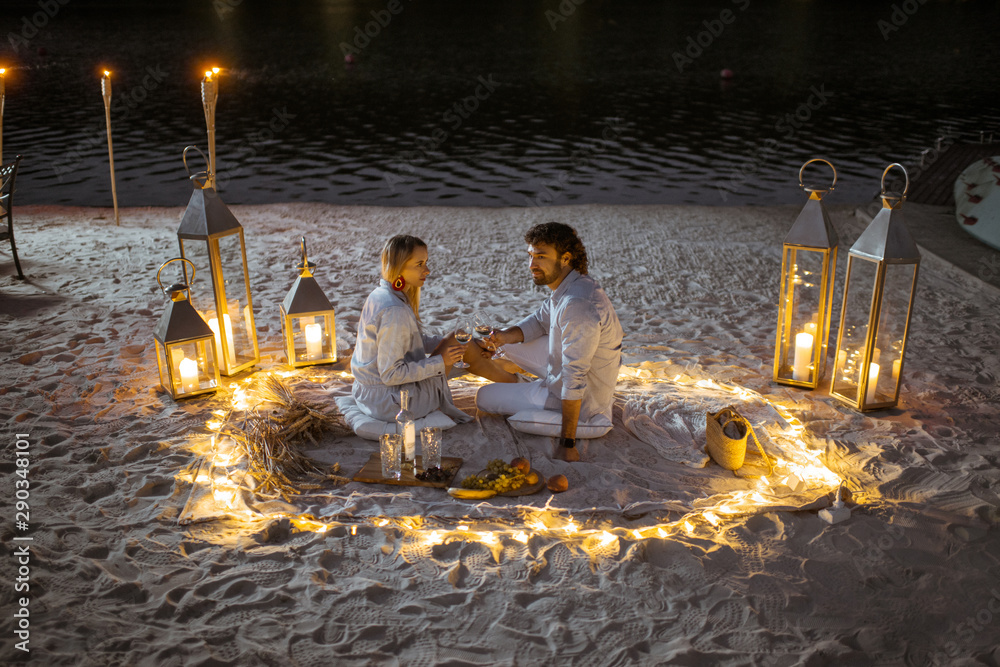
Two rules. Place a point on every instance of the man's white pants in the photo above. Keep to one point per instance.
(508, 398)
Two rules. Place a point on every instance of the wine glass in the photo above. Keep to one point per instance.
(486, 325)
(463, 334)
(482, 324)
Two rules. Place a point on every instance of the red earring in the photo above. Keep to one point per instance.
(398, 284)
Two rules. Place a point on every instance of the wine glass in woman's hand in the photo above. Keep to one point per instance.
(463, 334)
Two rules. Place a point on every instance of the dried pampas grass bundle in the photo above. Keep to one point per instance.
(270, 433)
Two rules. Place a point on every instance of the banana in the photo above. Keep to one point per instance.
(470, 494)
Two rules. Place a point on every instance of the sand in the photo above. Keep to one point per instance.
(648, 559)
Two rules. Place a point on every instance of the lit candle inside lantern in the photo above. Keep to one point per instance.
(872, 382)
(803, 356)
(314, 341)
(227, 322)
(895, 370)
(189, 373)
(176, 356)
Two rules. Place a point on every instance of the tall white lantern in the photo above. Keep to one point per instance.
(808, 267)
(881, 283)
(211, 238)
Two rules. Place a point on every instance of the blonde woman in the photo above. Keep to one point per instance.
(392, 351)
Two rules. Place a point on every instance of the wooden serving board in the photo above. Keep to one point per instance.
(371, 473)
(526, 489)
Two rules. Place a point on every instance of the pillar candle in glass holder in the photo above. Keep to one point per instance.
(228, 325)
(189, 373)
(314, 341)
(803, 356)
(872, 382)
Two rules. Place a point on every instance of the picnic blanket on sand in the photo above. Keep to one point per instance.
(653, 462)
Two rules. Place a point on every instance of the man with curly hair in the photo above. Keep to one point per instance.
(573, 343)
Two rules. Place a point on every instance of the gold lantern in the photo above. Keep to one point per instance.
(211, 236)
(808, 267)
(185, 345)
(881, 282)
(307, 321)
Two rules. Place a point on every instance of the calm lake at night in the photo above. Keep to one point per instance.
(499, 104)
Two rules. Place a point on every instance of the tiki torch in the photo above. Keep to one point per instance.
(106, 91)
(209, 96)
(3, 94)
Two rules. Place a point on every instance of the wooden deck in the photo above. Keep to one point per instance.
(934, 182)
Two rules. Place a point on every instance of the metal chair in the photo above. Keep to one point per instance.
(8, 173)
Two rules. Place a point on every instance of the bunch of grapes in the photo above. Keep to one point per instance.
(500, 467)
(433, 475)
(500, 478)
(474, 482)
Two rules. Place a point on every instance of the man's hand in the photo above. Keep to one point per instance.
(505, 336)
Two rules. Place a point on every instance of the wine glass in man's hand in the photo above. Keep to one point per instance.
(482, 323)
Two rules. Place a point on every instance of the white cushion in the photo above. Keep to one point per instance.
(370, 428)
(548, 422)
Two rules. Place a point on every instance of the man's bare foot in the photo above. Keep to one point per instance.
(569, 454)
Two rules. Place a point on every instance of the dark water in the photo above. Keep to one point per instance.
(594, 110)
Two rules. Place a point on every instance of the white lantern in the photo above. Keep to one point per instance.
(211, 237)
(881, 283)
(307, 320)
(185, 345)
(808, 266)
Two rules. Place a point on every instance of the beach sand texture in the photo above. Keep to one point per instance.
(120, 576)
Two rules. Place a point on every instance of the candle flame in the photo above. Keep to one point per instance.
(215, 70)
(2, 71)
(107, 73)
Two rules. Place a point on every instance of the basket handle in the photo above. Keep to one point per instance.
(760, 448)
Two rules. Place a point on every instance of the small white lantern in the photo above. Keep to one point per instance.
(185, 345)
(882, 268)
(307, 320)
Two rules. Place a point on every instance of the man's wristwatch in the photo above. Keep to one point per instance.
(567, 442)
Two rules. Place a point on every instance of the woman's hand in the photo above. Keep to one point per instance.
(450, 354)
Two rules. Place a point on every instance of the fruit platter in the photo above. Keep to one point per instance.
(502, 479)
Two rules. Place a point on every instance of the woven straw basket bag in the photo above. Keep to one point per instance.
(728, 452)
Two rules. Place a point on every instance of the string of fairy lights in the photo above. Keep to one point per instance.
(797, 467)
